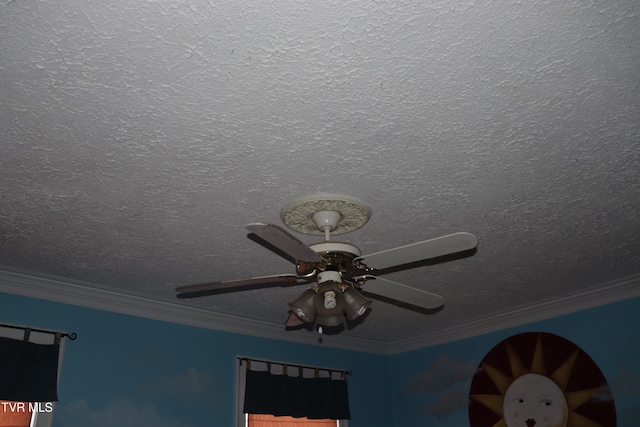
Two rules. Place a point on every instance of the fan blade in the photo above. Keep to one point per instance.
(403, 293)
(284, 241)
(204, 289)
(420, 251)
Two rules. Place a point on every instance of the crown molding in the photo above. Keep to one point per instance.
(607, 293)
(88, 295)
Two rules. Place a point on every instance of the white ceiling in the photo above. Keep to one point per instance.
(137, 139)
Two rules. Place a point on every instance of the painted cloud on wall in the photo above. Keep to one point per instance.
(117, 413)
(440, 375)
(448, 402)
(626, 388)
(445, 382)
(627, 381)
(192, 386)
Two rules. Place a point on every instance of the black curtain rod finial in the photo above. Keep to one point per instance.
(72, 336)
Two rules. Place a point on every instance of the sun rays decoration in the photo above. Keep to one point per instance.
(538, 379)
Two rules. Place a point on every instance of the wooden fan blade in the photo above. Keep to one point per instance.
(204, 289)
(403, 293)
(420, 251)
(285, 242)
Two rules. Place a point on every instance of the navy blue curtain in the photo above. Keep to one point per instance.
(314, 398)
(28, 371)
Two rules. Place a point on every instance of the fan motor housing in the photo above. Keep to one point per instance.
(339, 256)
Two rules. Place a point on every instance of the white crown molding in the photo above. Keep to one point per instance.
(88, 295)
(607, 293)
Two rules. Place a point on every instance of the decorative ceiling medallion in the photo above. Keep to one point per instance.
(298, 214)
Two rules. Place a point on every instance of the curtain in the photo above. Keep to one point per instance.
(28, 371)
(263, 420)
(314, 398)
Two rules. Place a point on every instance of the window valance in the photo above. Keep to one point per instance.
(292, 393)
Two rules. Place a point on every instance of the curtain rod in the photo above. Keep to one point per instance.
(295, 365)
(72, 336)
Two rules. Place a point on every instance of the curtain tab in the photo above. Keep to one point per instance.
(56, 338)
(284, 369)
(27, 333)
(317, 372)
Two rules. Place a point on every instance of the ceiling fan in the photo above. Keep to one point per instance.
(337, 271)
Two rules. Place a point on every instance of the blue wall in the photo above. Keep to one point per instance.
(126, 371)
(430, 387)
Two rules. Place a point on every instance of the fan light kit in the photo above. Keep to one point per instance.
(337, 271)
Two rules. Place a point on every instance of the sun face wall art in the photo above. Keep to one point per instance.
(538, 379)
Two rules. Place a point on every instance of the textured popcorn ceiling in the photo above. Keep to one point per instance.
(138, 138)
